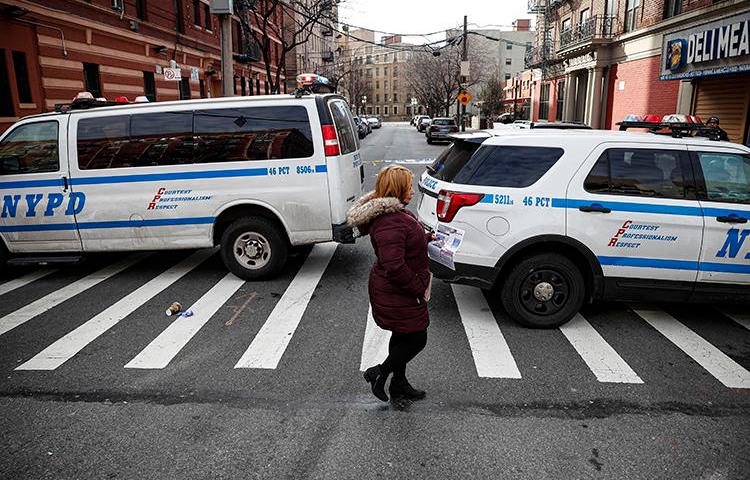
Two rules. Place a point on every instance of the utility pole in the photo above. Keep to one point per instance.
(227, 73)
(464, 79)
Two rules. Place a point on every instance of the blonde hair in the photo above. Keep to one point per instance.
(394, 181)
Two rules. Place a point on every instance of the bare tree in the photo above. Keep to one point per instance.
(277, 27)
(491, 94)
(351, 81)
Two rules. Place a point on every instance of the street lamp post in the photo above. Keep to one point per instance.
(364, 101)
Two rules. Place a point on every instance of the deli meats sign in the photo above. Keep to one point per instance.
(716, 48)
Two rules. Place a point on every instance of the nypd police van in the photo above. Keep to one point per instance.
(259, 176)
(549, 219)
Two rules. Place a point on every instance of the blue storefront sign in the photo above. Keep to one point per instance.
(716, 48)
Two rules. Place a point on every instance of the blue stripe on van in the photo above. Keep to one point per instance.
(155, 177)
(159, 222)
(321, 168)
(674, 264)
(57, 182)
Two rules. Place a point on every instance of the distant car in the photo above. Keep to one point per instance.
(362, 127)
(417, 119)
(508, 117)
(374, 121)
(440, 128)
(423, 123)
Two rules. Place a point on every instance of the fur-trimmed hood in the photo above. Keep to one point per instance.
(369, 207)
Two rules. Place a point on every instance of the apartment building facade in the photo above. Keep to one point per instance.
(318, 53)
(53, 49)
(597, 61)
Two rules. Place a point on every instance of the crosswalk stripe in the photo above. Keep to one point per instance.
(599, 355)
(168, 344)
(19, 282)
(68, 346)
(741, 318)
(718, 364)
(375, 346)
(492, 356)
(269, 344)
(26, 313)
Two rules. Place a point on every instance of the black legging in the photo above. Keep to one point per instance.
(402, 348)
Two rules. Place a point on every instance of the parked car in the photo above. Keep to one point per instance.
(417, 119)
(423, 123)
(183, 174)
(440, 129)
(363, 129)
(374, 121)
(554, 218)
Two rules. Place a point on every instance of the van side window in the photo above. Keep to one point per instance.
(161, 139)
(30, 148)
(253, 133)
(638, 172)
(347, 138)
(727, 177)
(103, 142)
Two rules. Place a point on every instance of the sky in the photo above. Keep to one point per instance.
(426, 16)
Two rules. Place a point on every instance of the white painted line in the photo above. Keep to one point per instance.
(718, 364)
(491, 353)
(19, 282)
(26, 313)
(274, 336)
(168, 344)
(599, 355)
(68, 346)
(375, 346)
(741, 318)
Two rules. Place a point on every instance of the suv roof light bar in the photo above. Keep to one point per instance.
(675, 129)
(308, 83)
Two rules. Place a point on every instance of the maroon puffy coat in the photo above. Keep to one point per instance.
(401, 274)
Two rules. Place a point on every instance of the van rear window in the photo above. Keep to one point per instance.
(508, 166)
(452, 160)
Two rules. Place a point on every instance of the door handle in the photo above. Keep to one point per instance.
(731, 219)
(65, 183)
(594, 208)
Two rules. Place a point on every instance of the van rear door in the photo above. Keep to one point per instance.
(345, 170)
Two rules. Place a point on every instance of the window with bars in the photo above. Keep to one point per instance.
(544, 102)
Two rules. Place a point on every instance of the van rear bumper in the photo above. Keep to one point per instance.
(343, 233)
(474, 275)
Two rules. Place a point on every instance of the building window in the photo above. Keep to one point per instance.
(560, 100)
(507, 76)
(385, 71)
(377, 97)
(395, 71)
(202, 88)
(207, 17)
(385, 84)
(149, 86)
(395, 86)
(632, 12)
(672, 8)
(566, 25)
(377, 71)
(385, 111)
(585, 15)
(544, 102)
(395, 98)
(185, 88)
(91, 79)
(6, 101)
(508, 61)
(22, 77)
(377, 110)
(395, 108)
(140, 9)
(178, 25)
(377, 83)
(197, 12)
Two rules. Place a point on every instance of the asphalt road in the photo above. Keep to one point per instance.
(71, 409)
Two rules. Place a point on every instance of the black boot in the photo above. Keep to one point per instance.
(375, 377)
(400, 387)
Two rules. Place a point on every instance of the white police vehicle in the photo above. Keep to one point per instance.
(257, 175)
(555, 218)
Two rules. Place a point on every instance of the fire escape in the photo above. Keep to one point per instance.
(542, 55)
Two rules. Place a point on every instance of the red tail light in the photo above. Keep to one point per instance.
(330, 141)
(433, 128)
(454, 128)
(449, 203)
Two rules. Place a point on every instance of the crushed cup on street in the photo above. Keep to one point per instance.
(174, 309)
(186, 313)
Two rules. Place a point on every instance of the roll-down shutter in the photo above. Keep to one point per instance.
(726, 97)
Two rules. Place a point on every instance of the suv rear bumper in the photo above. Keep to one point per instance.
(474, 275)
(343, 233)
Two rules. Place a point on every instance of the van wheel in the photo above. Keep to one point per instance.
(254, 248)
(543, 291)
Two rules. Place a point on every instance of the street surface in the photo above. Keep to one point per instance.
(264, 380)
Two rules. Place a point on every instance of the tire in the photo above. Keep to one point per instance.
(543, 291)
(270, 248)
(429, 140)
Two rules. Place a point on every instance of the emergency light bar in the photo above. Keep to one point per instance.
(676, 125)
(313, 83)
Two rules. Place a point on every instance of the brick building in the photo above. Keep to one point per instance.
(52, 49)
(597, 61)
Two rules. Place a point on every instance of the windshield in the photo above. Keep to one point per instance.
(452, 160)
(444, 121)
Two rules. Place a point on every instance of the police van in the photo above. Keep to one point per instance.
(549, 219)
(259, 176)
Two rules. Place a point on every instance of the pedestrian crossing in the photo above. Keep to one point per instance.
(486, 332)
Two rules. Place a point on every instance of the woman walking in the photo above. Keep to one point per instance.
(400, 279)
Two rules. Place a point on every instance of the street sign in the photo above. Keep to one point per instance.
(172, 74)
(464, 97)
(465, 68)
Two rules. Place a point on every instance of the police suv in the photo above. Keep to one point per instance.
(259, 176)
(554, 218)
